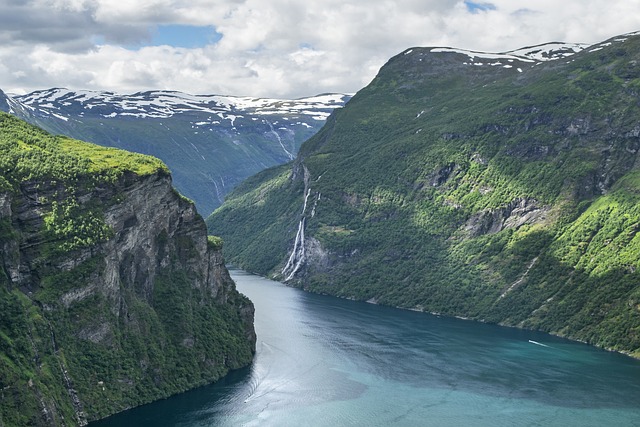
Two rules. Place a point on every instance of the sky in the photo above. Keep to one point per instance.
(269, 48)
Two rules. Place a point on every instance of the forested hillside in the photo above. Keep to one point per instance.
(492, 187)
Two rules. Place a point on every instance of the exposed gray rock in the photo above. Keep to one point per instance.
(516, 214)
(317, 256)
(153, 231)
(443, 174)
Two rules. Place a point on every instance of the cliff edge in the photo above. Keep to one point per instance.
(111, 294)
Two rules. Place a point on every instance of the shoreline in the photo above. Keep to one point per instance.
(420, 309)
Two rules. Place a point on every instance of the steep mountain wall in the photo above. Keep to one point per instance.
(495, 187)
(111, 293)
(4, 102)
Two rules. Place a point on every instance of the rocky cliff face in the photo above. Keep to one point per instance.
(111, 296)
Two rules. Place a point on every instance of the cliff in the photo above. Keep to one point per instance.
(497, 187)
(111, 295)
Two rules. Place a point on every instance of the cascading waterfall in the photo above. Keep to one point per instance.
(298, 254)
(315, 204)
(297, 257)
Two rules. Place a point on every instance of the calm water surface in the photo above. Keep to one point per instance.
(323, 361)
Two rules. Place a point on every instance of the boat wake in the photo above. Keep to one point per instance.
(538, 343)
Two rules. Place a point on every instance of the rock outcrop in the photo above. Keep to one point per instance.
(519, 212)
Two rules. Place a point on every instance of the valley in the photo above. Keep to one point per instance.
(473, 190)
(210, 143)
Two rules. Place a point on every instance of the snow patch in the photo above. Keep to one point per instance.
(60, 117)
(164, 104)
(473, 54)
(531, 54)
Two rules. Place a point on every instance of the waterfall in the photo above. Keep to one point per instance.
(298, 256)
(277, 135)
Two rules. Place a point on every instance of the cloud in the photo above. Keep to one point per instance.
(277, 48)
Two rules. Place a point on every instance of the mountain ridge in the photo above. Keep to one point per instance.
(490, 193)
(168, 103)
(537, 53)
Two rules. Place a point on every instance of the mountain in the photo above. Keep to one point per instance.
(503, 188)
(111, 293)
(210, 143)
(4, 102)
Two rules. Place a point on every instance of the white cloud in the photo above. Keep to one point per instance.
(277, 48)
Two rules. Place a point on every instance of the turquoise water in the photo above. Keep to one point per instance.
(323, 361)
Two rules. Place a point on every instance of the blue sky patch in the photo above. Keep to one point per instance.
(188, 36)
(474, 7)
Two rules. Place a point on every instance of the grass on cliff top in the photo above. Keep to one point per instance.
(28, 152)
(106, 158)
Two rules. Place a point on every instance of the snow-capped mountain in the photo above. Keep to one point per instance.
(532, 54)
(66, 104)
(527, 56)
(210, 142)
(455, 183)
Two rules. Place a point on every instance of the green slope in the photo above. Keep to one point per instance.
(476, 191)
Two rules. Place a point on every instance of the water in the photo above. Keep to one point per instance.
(323, 361)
